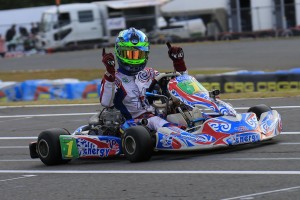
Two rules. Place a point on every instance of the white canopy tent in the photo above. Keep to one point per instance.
(125, 4)
(192, 7)
(215, 9)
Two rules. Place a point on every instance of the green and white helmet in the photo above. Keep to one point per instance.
(132, 49)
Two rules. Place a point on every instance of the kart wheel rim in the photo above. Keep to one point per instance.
(130, 145)
(43, 148)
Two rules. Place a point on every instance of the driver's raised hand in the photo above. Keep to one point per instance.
(108, 60)
(177, 56)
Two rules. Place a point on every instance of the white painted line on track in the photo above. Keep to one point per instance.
(273, 107)
(18, 138)
(47, 115)
(55, 105)
(148, 172)
(79, 114)
(14, 147)
(289, 143)
(21, 177)
(215, 159)
(14, 119)
(97, 104)
(21, 160)
(35, 137)
(289, 133)
(25, 147)
(256, 159)
(249, 196)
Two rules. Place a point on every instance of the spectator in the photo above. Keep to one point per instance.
(34, 29)
(9, 37)
(23, 32)
(2, 46)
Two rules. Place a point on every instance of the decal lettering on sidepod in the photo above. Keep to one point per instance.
(87, 148)
(246, 138)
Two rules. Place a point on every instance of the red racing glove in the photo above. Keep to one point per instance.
(177, 56)
(108, 60)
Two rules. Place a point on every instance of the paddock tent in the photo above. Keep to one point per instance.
(192, 7)
(209, 11)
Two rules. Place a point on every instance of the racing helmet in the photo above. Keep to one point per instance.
(132, 49)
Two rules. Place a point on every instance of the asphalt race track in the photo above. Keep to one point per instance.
(262, 54)
(269, 170)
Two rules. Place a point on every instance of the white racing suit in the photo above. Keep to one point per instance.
(127, 94)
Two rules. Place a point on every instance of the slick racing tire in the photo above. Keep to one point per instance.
(48, 146)
(259, 109)
(137, 144)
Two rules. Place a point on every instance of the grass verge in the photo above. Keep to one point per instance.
(96, 100)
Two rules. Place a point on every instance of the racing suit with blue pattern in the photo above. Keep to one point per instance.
(127, 94)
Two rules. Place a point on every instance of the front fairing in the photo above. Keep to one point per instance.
(218, 131)
(189, 91)
(221, 131)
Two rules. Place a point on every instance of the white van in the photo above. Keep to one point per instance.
(74, 23)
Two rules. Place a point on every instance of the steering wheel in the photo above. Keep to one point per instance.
(161, 83)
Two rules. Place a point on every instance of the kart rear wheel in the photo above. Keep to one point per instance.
(137, 144)
(48, 146)
(259, 109)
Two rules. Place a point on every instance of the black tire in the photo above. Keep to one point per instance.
(137, 144)
(259, 109)
(48, 146)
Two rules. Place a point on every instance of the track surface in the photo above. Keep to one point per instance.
(260, 171)
(271, 54)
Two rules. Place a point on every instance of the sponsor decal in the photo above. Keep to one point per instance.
(252, 86)
(246, 138)
(251, 120)
(125, 80)
(241, 128)
(97, 148)
(183, 78)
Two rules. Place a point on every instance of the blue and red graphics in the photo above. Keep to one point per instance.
(271, 123)
(177, 138)
(98, 146)
(220, 131)
(188, 90)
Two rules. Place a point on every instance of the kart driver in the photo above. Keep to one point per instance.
(125, 89)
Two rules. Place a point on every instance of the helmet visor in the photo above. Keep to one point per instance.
(133, 54)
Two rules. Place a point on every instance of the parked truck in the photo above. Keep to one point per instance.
(96, 22)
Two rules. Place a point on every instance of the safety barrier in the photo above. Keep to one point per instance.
(253, 81)
(32, 90)
(232, 82)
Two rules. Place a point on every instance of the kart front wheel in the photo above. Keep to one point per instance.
(48, 146)
(259, 109)
(137, 144)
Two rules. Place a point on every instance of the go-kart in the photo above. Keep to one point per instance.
(209, 123)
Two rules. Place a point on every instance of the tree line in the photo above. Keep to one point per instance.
(14, 4)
